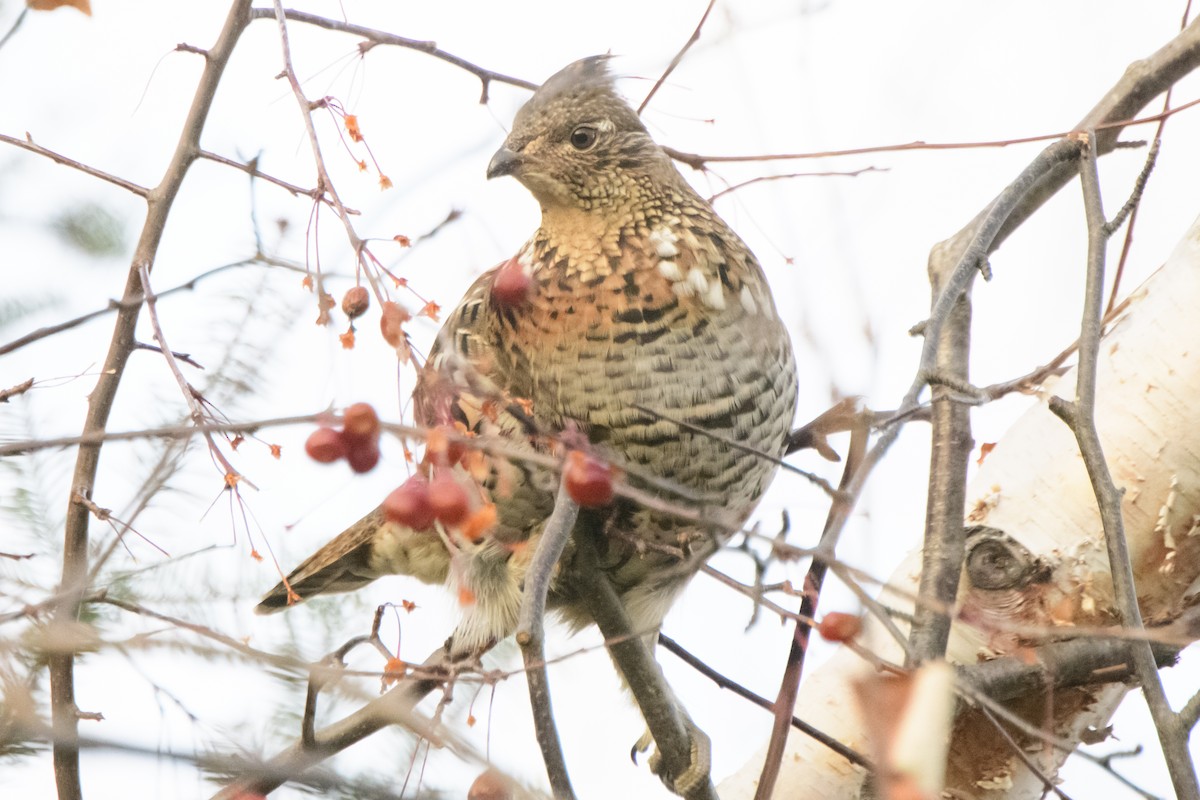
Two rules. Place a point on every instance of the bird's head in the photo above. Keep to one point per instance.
(578, 144)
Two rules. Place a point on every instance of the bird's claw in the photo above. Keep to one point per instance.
(699, 763)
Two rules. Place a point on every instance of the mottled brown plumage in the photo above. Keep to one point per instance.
(642, 296)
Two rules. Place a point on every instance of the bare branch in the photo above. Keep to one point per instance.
(765, 178)
(377, 37)
(252, 170)
(663, 717)
(190, 395)
(789, 687)
(531, 636)
(16, 391)
(1174, 56)
(100, 401)
(1080, 416)
(28, 144)
(724, 682)
(395, 707)
(695, 37)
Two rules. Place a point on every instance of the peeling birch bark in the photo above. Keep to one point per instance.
(1036, 560)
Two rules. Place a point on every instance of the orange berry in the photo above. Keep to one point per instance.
(490, 785)
(442, 444)
(360, 423)
(512, 285)
(409, 504)
(589, 480)
(837, 626)
(356, 302)
(448, 499)
(325, 445)
(479, 522)
(391, 322)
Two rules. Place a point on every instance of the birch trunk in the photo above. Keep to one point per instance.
(1033, 492)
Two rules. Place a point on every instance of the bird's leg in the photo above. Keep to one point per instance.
(697, 773)
(683, 749)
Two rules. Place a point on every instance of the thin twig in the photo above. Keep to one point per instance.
(944, 546)
(377, 37)
(789, 687)
(252, 170)
(698, 161)
(16, 24)
(190, 395)
(531, 634)
(1038, 733)
(395, 707)
(28, 144)
(765, 178)
(1190, 713)
(724, 682)
(100, 401)
(135, 301)
(666, 721)
(695, 37)
(1127, 244)
(16, 390)
(811, 477)
(1048, 784)
(1080, 416)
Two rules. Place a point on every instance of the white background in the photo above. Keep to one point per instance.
(846, 257)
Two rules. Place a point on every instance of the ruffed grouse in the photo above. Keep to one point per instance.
(647, 327)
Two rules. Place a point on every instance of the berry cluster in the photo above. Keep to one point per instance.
(357, 441)
(437, 491)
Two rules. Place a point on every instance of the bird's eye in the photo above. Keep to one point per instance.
(583, 137)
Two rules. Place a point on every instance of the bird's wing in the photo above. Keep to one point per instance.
(462, 381)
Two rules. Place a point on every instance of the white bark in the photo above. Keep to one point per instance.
(1033, 487)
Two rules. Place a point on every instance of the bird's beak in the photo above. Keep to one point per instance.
(505, 162)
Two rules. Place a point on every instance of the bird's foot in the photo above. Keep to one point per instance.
(697, 772)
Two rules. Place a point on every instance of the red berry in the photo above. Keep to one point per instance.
(490, 785)
(356, 302)
(325, 445)
(837, 626)
(512, 284)
(589, 480)
(409, 504)
(363, 456)
(448, 499)
(391, 322)
(360, 423)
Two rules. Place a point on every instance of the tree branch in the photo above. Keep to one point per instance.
(1080, 416)
(724, 682)
(395, 707)
(632, 655)
(376, 37)
(835, 522)
(695, 37)
(531, 636)
(75, 545)
(28, 144)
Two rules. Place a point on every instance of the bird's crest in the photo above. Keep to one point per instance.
(572, 85)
